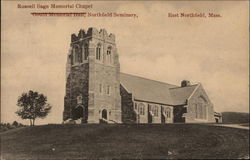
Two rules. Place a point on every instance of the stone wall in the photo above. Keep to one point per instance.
(191, 115)
(179, 112)
(104, 79)
(87, 76)
(76, 85)
(154, 113)
(128, 114)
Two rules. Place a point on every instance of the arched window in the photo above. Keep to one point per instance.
(155, 110)
(86, 52)
(98, 52)
(109, 59)
(77, 52)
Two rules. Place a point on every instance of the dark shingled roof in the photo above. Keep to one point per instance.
(155, 91)
(181, 94)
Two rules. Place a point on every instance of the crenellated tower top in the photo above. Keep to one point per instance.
(93, 33)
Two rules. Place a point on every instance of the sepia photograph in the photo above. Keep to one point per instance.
(124, 79)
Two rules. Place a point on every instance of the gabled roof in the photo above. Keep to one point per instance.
(154, 91)
(146, 89)
(181, 94)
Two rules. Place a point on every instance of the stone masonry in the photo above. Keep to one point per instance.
(93, 80)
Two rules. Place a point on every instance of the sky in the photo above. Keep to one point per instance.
(212, 51)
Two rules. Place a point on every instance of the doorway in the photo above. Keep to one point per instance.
(77, 112)
(104, 116)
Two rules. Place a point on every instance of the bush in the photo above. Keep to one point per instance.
(8, 126)
(15, 123)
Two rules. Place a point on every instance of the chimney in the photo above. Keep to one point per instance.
(185, 83)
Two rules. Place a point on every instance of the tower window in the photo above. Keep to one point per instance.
(108, 89)
(100, 88)
(86, 52)
(98, 52)
(109, 55)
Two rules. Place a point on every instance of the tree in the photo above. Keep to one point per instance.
(33, 105)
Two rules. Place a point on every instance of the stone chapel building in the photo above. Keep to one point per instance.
(96, 90)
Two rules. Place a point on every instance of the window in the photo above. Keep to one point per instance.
(168, 113)
(98, 52)
(79, 99)
(109, 55)
(155, 110)
(86, 52)
(108, 89)
(100, 88)
(141, 108)
(201, 108)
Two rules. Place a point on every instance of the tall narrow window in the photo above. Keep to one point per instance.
(108, 89)
(100, 88)
(98, 52)
(86, 52)
(169, 113)
(155, 111)
(109, 55)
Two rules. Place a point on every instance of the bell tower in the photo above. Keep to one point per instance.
(93, 78)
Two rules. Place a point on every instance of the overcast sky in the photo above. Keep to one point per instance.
(213, 51)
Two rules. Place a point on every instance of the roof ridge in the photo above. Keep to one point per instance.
(185, 86)
(148, 79)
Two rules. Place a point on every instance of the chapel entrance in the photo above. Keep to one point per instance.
(104, 116)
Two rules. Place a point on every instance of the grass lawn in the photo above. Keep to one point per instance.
(182, 141)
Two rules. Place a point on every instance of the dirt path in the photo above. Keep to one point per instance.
(233, 126)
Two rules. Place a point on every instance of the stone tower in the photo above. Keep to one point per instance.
(93, 78)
